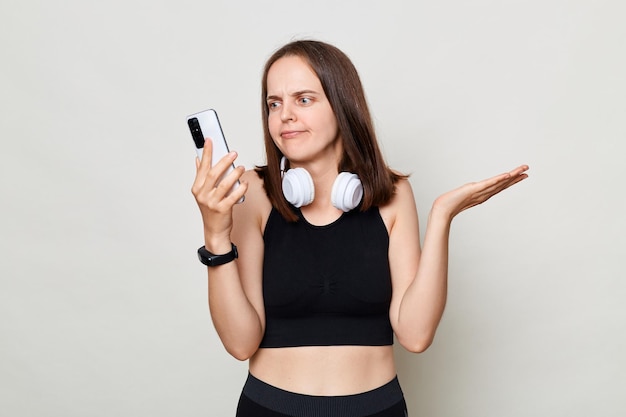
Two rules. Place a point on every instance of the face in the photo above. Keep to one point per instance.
(301, 121)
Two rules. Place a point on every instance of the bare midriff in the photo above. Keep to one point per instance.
(325, 370)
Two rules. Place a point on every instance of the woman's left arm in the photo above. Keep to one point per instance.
(420, 275)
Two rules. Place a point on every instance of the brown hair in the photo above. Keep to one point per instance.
(343, 88)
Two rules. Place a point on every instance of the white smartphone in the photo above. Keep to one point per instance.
(205, 124)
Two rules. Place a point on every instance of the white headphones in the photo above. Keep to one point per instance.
(299, 190)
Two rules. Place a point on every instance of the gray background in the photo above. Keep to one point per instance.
(102, 301)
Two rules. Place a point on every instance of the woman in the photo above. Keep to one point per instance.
(325, 278)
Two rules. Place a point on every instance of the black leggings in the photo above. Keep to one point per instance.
(259, 399)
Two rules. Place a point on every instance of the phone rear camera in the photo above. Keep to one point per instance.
(196, 132)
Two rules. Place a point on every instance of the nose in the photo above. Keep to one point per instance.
(286, 113)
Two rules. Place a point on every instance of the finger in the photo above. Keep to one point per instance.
(505, 182)
(493, 181)
(520, 169)
(225, 163)
(502, 185)
(517, 175)
(209, 175)
(227, 183)
(237, 194)
(223, 197)
(219, 170)
(506, 177)
(203, 165)
(207, 154)
(515, 180)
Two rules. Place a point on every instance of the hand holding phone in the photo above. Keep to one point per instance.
(205, 124)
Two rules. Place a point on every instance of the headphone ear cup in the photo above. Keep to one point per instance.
(298, 187)
(347, 191)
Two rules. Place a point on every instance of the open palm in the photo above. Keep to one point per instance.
(474, 193)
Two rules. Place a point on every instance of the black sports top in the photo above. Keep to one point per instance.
(327, 285)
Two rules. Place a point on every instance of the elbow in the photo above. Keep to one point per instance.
(241, 353)
(242, 350)
(417, 347)
(417, 344)
(240, 357)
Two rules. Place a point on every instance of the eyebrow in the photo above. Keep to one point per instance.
(294, 94)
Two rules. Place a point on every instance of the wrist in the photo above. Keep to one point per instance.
(217, 244)
(211, 259)
(439, 213)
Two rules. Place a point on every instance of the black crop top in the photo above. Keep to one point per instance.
(327, 285)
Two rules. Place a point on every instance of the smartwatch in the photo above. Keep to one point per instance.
(210, 259)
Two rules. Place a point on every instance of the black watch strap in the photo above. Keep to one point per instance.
(210, 259)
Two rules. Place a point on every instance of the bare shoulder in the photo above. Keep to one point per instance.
(401, 205)
(256, 206)
(256, 190)
(255, 183)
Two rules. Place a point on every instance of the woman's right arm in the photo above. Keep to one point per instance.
(235, 292)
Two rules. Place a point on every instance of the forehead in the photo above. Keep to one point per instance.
(291, 73)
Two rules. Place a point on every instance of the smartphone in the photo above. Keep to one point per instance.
(205, 124)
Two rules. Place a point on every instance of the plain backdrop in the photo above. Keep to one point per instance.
(103, 304)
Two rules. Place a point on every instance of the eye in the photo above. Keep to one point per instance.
(306, 100)
(273, 105)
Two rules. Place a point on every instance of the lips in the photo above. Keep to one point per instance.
(290, 134)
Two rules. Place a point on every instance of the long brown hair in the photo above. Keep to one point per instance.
(361, 153)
